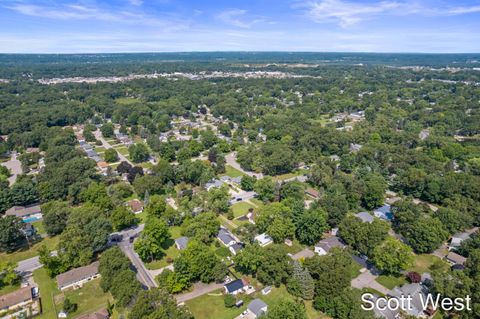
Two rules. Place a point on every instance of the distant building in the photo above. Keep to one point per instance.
(135, 206)
(417, 292)
(26, 213)
(365, 217)
(100, 314)
(456, 259)
(181, 243)
(324, 246)
(354, 148)
(263, 239)
(384, 212)
(236, 248)
(312, 193)
(235, 287)
(225, 237)
(257, 307)
(19, 301)
(458, 238)
(75, 278)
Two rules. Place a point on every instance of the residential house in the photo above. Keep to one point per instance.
(455, 259)
(225, 237)
(27, 213)
(263, 239)
(257, 307)
(135, 205)
(312, 193)
(100, 314)
(324, 246)
(458, 238)
(235, 287)
(417, 291)
(181, 243)
(384, 212)
(235, 248)
(365, 217)
(215, 183)
(354, 148)
(22, 300)
(75, 278)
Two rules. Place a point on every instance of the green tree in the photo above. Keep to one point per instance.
(150, 244)
(301, 283)
(248, 182)
(122, 218)
(138, 153)
(107, 130)
(68, 306)
(363, 237)
(286, 309)
(55, 216)
(201, 227)
(311, 225)
(375, 186)
(392, 256)
(110, 155)
(265, 189)
(157, 303)
(11, 235)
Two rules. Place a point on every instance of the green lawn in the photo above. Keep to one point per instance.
(212, 306)
(216, 308)
(48, 289)
(25, 252)
(100, 149)
(391, 282)
(241, 208)
(39, 227)
(169, 248)
(122, 150)
(355, 270)
(256, 201)
(427, 263)
(232, 172)
(146, 165)
(89, 298)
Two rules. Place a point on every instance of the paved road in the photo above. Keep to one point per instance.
(105, 144)
(199, 289)
(232, 161)
(15, 166)
(26, 267)
(367, 280)
(143, 274)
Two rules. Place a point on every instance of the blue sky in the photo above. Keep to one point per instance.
(76, 26)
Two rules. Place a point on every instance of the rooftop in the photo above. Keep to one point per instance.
(75, 275)
(16, 297)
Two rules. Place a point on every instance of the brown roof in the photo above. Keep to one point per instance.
(456, 258)
(100, 314)
(75, 275)
(102, 164)
(312, 192)
(16, 297)
(21, 211)
(135, 205)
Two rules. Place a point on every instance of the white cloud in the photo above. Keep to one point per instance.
(238, 18)
(82, 12)
(136, 2)
(347, 13)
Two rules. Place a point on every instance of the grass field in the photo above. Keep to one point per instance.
(89, 298)
(170, 250)
(122, 150)
(48, 289)
(241, 208)
(216, 308)
(232, 172)
(39, 227)
(25, 252)
(391, 282)
(127, 100)
(427, 263)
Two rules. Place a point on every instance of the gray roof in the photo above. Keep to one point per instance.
(182, 242)
(414, 290)
(330, 243)
(365, 217)
(224, 236)
(78, 274)
(22, 211)
(257, 306)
